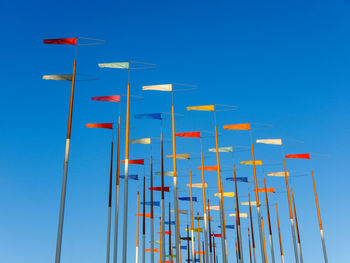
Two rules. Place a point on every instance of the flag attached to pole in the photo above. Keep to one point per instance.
(163, 87)
(137, 161)
(278, 174)
(202, 108)
(270, 141)
(228, 226)
(121, 65)
(100, 125)
(194, 199)
(216, 235)
(141, 141)
(208, 168)
(241, 215)
(298, 156)
(146, 215)
(227, 149)
(130, 176)
(159, 188)
(189, 134)
(238, 179)
(183, 156)
(61, 41)
(257, 162)
(268, 190)
(167, 173)
(197, 185)
(242, 126)
(66, 77)
(227, 194)
(157, 116)
(112, 98)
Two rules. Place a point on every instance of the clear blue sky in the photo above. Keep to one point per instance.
(284, 63)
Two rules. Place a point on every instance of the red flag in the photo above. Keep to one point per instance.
(166, 188)
(150, 250)
(100, 125)
(189, 134)
(208, 168)
(299, 156)
(61, 41)
(262, 190)
(137, 161)
(165, 233)
(216, 235)
(113, 98)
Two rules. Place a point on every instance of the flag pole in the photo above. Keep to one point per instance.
(319, 220)
(210, 243)
(250, 247)
(290, 211)
(262, 241)
(144, 219)
(262, 224)
(192, 226)
(160, 240)
(109, 206)
(137, 229)
(162, 197)
(269, 223)
(297, 227)
(203, 252)
(117, 197)
(251, 225)
(240, 248)
(177, 231)
(126, 167)
(170, 248)
(199, 239)
(188, 246)
(238, 251)
(65, 167)
(152, 225)
(223, 232)
(204, 208)
(279, 234)
(215, 257)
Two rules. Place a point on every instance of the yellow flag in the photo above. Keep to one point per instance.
(227, 194)
(202, 108)
(195, 229)
(257, 162)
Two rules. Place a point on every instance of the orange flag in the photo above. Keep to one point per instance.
(243, 126)
(262, 190)
(100, 125)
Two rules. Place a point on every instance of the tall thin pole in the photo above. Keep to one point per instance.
(239, 239)
(117, 198)
(204, 208)
(170, 248)
(203, 252)
(162, 197)
(215, 257)
(109, 206)
(250, 247)
(199, 239)
(223, 232)
(257, 203)
(290, 212)
(210, 243)
(125, 221)
(251, 225)
(65, 169)
(152, 215)
(238, 252)
(160, 240)
(269, 223)
(177, 231)
(297, 227)
(279, 234)
(144, 220)
(137, 229)
(319, 220)
(188, 246)
(192, 226)
(262, 224)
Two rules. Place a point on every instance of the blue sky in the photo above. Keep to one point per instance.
(282, 63)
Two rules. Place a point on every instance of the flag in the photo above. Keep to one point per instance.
(157, 116)
(257, 162)
(262, 190)
(270, 141)
(190, 260)
(150, 250)
(195, 229)
(238, 179)
(122, 65)
(112, 98)
(202, 218)
(155, 203)
(66, 77)
(165, 233)
(247, 203)
(146, 215)
(200, 252)
(198, 185)
(164, 87)
(141, 141)
(166, 188)
(172, 222)
(167, 173)
(137, 161)
(208, 168)
(181, 247)
(174, 256)
(194, 199)
(216, 235)
(278, 174)
(228, 226)
(185, 238)
(241, 215)
(202, 108)
(214, 207)
(130, 176)
(183, 156)
(228, 194)
(227, 149)
(183, 212)
(243, 126)
(298, 156)
(189, 134)
(61, 41)
(100, 125)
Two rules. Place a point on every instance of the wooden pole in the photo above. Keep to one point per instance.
(250, 247)
(188, 246)
(297, 228)
(251, 225)
(239, 235)
(210, 243)
(279, 235)
(109, 205)
(199, 239)
(204, 208)
(192, 224)
(160, 240)
(263, 232)
(269, 224)
(170, 248)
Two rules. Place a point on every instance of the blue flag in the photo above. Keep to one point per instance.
(157, 116)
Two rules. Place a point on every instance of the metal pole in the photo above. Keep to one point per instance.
(204, 208)
(240, 247)
(109, 207)
(251, 225)
(262, 224)
(290, 211)
(188, 246)
(152, 225)
(137, 230)
(117, 198)
(279, 234)
(319, 220)
(192, 226)
(269, 223)
(125, 221)
(162, 198)
(65, 170)
(297, 227)
(170, 248)
(199, 239)
(210, 243)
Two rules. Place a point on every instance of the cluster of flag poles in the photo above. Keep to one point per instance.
(206, 248)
